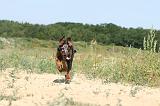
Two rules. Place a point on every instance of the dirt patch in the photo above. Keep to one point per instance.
(22, 89)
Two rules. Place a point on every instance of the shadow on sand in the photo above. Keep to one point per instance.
(59, 80)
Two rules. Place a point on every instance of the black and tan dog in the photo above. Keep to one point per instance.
(64, 56)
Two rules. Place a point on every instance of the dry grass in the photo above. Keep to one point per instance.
(111, 63)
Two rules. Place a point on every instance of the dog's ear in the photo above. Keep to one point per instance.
(62, 38)
(69, 39)
(74, 51)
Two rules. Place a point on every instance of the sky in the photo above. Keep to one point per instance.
(125, 13)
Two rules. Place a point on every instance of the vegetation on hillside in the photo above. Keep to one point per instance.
(107, 33)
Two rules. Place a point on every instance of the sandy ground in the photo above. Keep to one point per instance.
(22, 89)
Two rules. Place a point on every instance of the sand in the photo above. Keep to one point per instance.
(31, 89)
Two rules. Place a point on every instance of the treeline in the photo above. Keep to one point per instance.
(103, 33)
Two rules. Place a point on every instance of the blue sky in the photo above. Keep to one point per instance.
(127, 13)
